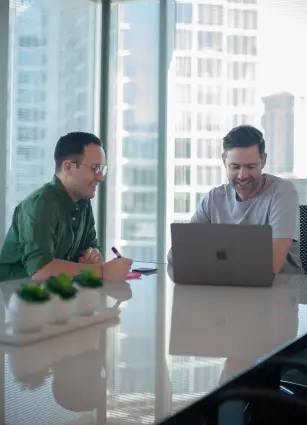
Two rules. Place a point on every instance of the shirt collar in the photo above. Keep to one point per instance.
(65, 197)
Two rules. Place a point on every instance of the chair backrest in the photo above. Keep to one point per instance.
(303, 231)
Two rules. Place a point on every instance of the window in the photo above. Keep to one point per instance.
(209, 68)
(209, 148)
(129, 93)
(81, 102)
(31, 115)
(242, 71)
(140, 147)
(27, 171)
(210, 40)
(211, 95)
(242, 45)
(183, 93)
(182, 175)
(29, 41)
(31, 96)
(182, 148)
(183, 13)
(208, 122)
(29, 153)
(30, 133)
(182, 202)
(32, 78)
(210, 14)
(138, 230)
(128, 65)
(242, 19)
(243, 1)
(209, 175)
(139, 202)
(183, 67)
(183, 121)
(183, 39)
(136, 175)
(198, 198)
(241, 97)
(140, 253)
(239, 119)
(22, 188)
(48, 74)
(31, 58)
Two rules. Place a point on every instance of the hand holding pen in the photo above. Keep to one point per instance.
(117, 268)
(135, 274)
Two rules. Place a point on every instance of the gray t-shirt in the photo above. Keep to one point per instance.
(277, 205)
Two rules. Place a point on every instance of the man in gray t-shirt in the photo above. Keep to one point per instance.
(251, 197)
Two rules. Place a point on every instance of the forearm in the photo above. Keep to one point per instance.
(170, 256)
(281, 249)
(56, 267)
(279, 261)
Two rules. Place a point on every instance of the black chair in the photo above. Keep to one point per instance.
(296, 379)
(303, 231)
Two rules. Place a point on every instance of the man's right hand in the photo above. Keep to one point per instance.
(116, 269)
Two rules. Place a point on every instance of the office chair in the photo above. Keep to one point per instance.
(296, 379)
(303, 235)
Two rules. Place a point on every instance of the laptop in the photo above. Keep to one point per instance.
(222, 254)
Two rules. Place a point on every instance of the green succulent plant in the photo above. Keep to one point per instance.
(33, 293)
(62, 286)
(88, 279)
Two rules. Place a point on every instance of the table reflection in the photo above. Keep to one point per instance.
(172, 345)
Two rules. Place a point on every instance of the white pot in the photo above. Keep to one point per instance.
(25, 316)
(88, 300)
(60, 310)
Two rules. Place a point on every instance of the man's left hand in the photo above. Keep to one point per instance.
(91, 256)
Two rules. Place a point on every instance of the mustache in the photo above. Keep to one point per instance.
(244, 181)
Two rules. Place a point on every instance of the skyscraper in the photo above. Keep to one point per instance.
(211, 88)
(214, 89)
(52, 87)
(278, 124)
(284, 123)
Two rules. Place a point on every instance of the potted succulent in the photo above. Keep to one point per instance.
(88, 296)
(27, 308)
(63, 295)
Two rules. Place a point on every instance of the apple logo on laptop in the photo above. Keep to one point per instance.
(221, 255)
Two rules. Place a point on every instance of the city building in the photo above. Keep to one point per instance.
(215, 71)
(52, 87)
(284, 124)
(211, 88)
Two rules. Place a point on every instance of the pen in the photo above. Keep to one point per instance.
(114, 250)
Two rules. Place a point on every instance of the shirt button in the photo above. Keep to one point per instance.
(74, 218)
(68, 258)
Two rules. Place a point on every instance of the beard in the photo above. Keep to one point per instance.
(246, 186)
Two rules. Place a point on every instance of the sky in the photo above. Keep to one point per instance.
(282, 35)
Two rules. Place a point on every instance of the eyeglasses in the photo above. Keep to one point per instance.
(97, 168)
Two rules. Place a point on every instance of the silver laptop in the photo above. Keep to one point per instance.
(222, 254)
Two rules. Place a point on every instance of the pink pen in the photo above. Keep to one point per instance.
(114, 250)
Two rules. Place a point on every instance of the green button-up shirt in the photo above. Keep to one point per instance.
(47, 225)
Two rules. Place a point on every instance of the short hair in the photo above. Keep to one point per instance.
(71, 146)
(244, 136)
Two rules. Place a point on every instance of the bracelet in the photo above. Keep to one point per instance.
(101, 270)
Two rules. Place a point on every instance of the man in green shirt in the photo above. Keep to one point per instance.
(53, 229)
